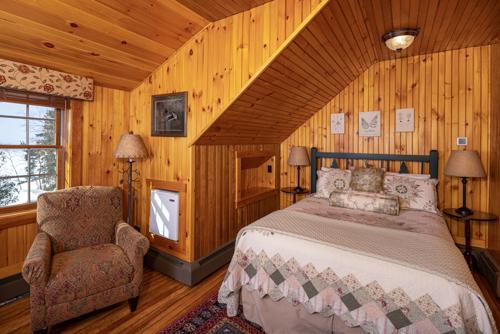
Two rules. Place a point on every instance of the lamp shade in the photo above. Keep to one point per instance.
(464, 164)
(298, 156)
(130, 146)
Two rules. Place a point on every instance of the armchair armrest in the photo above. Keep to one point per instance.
(132, 242)
(36, 267)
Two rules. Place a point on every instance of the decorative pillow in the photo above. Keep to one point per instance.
(413, 193)
(365, 201)
(413, 176)
(333, 179)
(368, 179)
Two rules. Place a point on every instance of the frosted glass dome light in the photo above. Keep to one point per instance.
(398, 40)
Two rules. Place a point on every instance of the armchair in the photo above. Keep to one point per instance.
(84, 258)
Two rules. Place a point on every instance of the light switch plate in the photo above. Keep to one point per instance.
(461, 141)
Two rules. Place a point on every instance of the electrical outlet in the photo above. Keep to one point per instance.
(269, 168)
(461, 141)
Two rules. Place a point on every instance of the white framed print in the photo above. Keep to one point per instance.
(337, 123)
(369, 124)
(405, 120)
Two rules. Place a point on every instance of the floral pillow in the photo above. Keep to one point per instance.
(413, 193)
(413, 176)
(368, 179)
(330, 180)
(366, 201)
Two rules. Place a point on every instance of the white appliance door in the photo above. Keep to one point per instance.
(164, 214)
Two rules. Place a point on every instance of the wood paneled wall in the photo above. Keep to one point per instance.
(450, 92)
(212, 67)
(15, 242)
(494, 229)
(104, 121)
(217, 221)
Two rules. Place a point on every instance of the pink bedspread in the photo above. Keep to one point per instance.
(408, 220)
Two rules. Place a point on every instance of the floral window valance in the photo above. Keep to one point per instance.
(31, 78)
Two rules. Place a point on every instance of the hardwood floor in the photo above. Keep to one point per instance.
(162, 301)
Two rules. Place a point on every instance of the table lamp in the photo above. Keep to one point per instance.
(130, 147)
(464, 164)
(298, 157)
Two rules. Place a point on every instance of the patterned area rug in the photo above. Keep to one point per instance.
(210, 317)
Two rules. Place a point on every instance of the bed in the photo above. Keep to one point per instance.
(316, 268)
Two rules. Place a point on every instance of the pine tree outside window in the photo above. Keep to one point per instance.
(30, 150)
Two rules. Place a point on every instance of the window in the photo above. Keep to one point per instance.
(30, 149)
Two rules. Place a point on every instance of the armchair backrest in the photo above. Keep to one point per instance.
(79, 217)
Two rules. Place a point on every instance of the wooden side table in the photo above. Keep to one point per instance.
(291, 190)
(476, 216)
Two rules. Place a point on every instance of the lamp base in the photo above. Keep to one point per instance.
(464, 211)
(298, 189)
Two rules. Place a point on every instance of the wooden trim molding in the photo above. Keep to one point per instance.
(73, 144)
(13, 219)
(175, 248)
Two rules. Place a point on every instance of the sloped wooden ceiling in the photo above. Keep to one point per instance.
(214, 10)
(117, 42)
(342, 41)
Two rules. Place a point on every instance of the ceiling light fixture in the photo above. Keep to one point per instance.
(398, 40)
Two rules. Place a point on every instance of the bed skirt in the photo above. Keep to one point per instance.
(283, 317)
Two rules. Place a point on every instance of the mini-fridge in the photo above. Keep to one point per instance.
(164, 214)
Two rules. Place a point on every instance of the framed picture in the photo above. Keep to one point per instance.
(337, 123)
(369, 124)
(405, 120)
(169, 115)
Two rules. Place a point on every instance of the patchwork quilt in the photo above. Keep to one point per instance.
(383, 279)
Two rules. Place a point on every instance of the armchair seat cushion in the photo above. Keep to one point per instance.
(87, 271)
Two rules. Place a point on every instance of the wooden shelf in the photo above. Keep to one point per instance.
(255, 176)
(254, 194)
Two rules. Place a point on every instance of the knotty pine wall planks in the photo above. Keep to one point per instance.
(15, 242)
(212, 67)
(450, 92)
(217, 220)
(104, 121)
(494, 229)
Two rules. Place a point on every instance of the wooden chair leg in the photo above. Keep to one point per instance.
(132, 303)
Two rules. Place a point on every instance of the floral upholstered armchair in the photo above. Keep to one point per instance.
(84, 258)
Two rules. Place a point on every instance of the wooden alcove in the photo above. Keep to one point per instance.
(255, 176)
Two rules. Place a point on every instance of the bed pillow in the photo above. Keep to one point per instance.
(368, 179)
(365, 201)
(333, 179)
(413, 193)
(413, 176)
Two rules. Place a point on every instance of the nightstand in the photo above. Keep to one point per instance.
(476, 216)
(291, 190)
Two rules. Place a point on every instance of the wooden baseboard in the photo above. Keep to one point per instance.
(189, 273)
